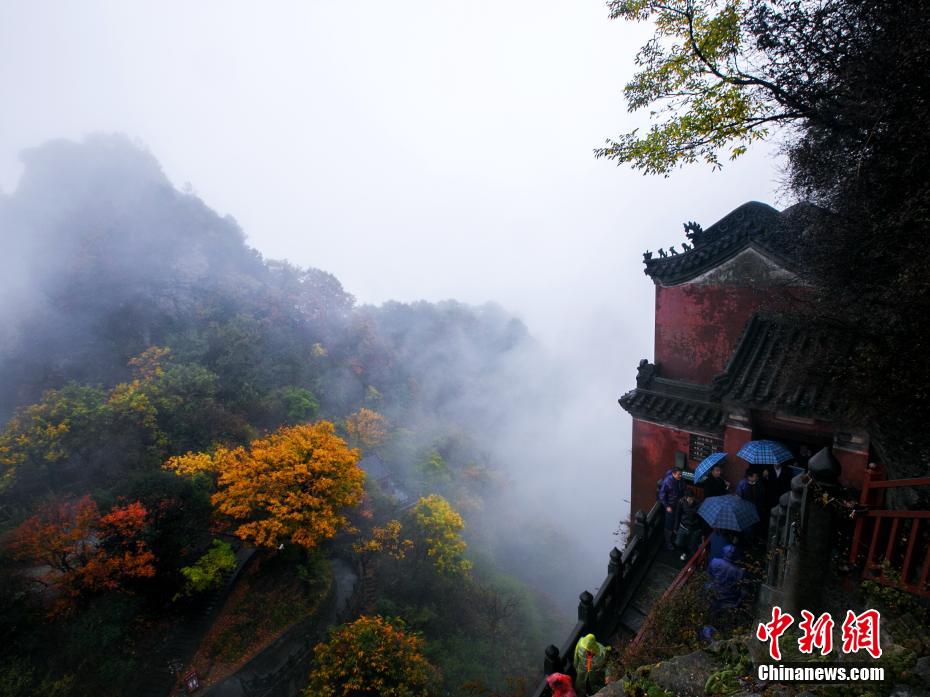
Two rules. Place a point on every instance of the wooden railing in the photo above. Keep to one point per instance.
(600, 614)
(697, 562)
(895, 539)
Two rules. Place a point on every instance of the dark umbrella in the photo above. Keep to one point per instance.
(765, 452)
(728, 512)
(706, 465)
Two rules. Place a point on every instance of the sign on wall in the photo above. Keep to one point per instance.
(702, 446)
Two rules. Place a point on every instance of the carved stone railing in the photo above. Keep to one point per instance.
(600, 614)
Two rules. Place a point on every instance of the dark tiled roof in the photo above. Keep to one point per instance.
(752, 224)
(670, 401)
(771, 369)
(667, 409)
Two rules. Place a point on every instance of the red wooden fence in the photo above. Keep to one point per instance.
(898, 541)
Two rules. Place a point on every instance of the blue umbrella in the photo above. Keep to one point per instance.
(765, 452)
(706, 465)
(728, 513)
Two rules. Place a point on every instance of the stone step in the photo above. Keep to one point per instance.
(632, 618)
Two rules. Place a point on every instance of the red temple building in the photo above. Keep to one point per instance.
(728, 354)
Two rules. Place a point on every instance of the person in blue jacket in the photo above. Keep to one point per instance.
(671, 491)
(726, 582)
(719, 540)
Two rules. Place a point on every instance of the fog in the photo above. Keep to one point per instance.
(417, 151)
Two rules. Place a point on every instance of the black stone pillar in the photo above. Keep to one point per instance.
(586, 613)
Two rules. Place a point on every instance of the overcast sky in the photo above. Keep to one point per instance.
(415, 149)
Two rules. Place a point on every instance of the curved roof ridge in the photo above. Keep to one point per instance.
(752, 223)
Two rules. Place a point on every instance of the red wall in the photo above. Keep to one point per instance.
(698, 327)
(654, 449)
(735, 468)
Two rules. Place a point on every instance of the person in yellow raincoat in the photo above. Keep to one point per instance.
(590, 665)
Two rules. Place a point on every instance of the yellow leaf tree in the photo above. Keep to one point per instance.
(37, 443)
(372, 656)
(386, 539)
(291, 486)
(438, 527)
(366, 429)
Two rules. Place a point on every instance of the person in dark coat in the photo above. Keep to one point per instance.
(715, 484)
(752, 489)
(670, 493)
(777, 480)
(689, 526)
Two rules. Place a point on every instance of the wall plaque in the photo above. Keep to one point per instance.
(702, 446)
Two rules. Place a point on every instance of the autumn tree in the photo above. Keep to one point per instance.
(179, 520)
(167, 406)
(438, 536)
(372, 656)
(85, 551)
(366, 429)
(39, 443)
(132, 405)
(83, 432)
(294, 485)
(384, 540)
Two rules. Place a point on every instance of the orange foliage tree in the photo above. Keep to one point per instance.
(386, 539)
(383, 540)
(83, 550)
(372, 656)
(291, 486)
(366, 429)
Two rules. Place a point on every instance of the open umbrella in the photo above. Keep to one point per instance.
(706, 465)
(765, 452)
(728, 513)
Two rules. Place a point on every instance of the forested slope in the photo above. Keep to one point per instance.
(139, 329)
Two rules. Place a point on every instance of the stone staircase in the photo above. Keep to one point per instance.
(663, 570)
(175, 653)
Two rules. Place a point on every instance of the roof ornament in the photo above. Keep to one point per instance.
(647, 256)
(645, 371)
(686, 247)
(694, 232)
(662, 253)
(671, 250)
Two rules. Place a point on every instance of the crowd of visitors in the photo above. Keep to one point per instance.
(727, 550)
(686, 525)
